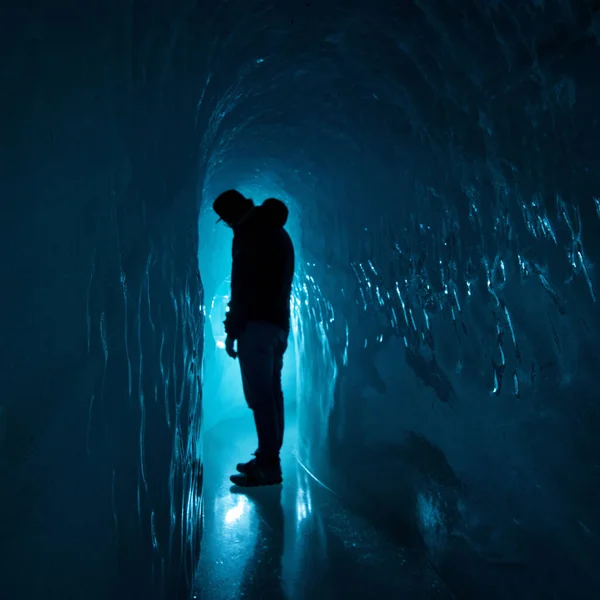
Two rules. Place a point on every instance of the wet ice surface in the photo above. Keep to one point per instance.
(295, 541)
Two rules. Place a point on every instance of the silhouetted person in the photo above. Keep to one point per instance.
(259, 321)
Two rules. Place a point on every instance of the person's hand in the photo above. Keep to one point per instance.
(229, 343)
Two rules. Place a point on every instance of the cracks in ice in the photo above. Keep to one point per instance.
(141, 387)
(432, 276)
(104, 341)
(123, 281)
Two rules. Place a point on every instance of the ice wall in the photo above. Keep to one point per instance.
(101, 338)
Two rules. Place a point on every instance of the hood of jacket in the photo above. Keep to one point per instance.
(272, 213)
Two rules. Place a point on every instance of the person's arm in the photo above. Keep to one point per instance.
(242, 282)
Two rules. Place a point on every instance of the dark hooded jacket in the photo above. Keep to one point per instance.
(262, 270)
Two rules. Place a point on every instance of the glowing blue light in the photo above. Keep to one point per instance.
(233, 515)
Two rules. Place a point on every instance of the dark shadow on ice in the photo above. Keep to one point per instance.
(391, 484)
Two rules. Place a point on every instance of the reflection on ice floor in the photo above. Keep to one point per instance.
(294, 541)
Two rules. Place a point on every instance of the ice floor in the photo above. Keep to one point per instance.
(296, 541)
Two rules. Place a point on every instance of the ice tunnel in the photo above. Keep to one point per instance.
(440, 162)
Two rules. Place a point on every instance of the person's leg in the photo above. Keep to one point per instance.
(256, 354)
(280, 349)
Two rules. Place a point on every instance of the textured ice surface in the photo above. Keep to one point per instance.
(441, 162)
(101, 343)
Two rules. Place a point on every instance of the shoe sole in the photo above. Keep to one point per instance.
(241, 469)
(241, 482)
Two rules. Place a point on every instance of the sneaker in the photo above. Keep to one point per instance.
(251, 464)
(247, 466)
(255, 474)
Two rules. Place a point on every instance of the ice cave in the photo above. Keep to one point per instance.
(439, 159)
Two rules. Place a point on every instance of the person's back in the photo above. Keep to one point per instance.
(259, 320)
(263, 268)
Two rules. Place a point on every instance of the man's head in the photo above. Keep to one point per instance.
(231, 206)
